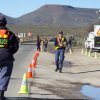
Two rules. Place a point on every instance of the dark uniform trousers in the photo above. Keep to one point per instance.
(5, 73)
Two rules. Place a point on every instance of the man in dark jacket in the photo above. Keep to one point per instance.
(60, 45)
(38, 43)
(8, 46)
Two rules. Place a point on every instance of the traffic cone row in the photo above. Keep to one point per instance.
(89, 53)
(32, 65)
(34, 60)
(24, 86)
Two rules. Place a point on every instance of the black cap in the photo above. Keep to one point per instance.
(61, 32)
(3, 20)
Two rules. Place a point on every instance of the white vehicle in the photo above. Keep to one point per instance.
(93, 40)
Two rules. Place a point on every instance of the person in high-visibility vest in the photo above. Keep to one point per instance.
(8, 46)
(60, 45)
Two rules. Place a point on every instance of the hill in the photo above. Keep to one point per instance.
(57, 15)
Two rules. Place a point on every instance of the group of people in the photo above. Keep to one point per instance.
(9, 45)
(61, 44)
(41, 44)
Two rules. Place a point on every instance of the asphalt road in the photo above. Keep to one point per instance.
(22, 60)
(79, 69)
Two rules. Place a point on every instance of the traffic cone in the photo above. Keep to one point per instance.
(31, 65)
(95, 56)
(89, 53)
(86, 52)
(24, 86)
(34, 63)
(82, 51)
(37, 53)
(35, 58)
(29, 73)
(70, 51)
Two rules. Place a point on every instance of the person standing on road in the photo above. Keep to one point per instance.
(45, 43)
(41, 45)
(38, 43)
(60, 45)
(8, 46)
(69, 44)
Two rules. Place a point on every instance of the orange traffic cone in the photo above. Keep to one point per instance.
(31, 65)
(35, 58)
(29, 73)
(37, 53)
(34, 63)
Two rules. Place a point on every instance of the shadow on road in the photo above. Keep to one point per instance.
(23, 98)
(82, 72)
(68, 64)
(87, 72)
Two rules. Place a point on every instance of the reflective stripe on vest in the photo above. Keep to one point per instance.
(4, 34)
(57, 47)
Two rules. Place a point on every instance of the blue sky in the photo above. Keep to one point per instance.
(17, 8)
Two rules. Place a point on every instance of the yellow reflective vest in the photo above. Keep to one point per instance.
(4, 34)
(62, 40)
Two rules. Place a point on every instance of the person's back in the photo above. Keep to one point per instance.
(8, 52)
(8, 46)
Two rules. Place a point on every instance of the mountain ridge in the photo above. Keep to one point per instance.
(57, 15)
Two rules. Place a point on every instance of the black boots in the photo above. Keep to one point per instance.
(2, 95)
(60, 70)
(56, 69)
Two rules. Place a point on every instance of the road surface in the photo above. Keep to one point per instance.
(79, 69)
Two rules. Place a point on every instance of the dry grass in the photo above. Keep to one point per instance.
(79, 33)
